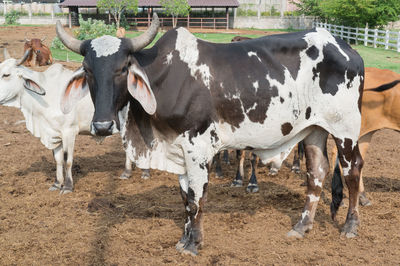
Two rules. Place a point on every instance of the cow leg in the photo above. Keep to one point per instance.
(351, 162)
(317, 168)
(363, 143)
(145, 174)
(252, 187)
(297, 157)
(193, 188)
(128, 168)
(218, 168)
(238, 181)
(59, 158)
(226, 157)
(68, 143)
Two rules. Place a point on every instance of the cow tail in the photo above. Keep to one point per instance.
(385, 87)
(337, 189)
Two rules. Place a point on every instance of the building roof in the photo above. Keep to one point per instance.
(155, 3)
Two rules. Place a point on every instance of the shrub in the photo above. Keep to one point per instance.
(57, 44)
(247, 13)
(92, 28)
(12, 17)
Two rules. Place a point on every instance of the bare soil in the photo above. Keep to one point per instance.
(107, 221)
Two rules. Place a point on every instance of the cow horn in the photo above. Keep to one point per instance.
(42, 40)
(23, 59)
(146, 38)
(69, 41)
(6, 54)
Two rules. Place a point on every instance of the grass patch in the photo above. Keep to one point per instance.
(62, 55)
(379, 58)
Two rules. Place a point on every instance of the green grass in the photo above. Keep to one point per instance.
(379, 58)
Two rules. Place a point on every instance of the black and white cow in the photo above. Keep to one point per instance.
(185, 99)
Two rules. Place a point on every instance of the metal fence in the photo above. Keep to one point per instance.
(369, 37)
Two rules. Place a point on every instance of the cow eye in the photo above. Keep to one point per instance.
(124, 69)
(6, 75)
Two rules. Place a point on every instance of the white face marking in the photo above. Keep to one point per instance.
(250, 54)
(168, 61)
(105, 45)
(186, 45)
(313, 198)
(183, 182)
(255, 85)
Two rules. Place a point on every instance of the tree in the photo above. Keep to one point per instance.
(118, 7)
(376, 13)
(175, 8)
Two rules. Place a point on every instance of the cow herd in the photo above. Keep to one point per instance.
(182, 101)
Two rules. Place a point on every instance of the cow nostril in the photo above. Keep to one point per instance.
(103, 128)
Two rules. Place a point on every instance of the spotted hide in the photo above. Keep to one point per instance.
(185, 99)
(380, 109)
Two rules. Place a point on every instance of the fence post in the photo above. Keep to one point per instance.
(398, 42)
(341, 32)
(366, 35)
(375, 37)
(387, 40)
(357, 36)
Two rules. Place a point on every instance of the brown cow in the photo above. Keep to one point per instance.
(239, 38)
(380, 109)
(40, 54)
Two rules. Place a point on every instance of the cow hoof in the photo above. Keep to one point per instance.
(54, 187)
(190, 249)
(145, 175)
(273, 172)
(364, 201)
(65, 191)
(252, 188)
(296, 169)
(125, 175)
(350, 229)
(237, 183)
(294, 234)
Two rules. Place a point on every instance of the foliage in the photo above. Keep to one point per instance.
(117, 7)
(352, 12)
(92, 28)
(175, 8)
(57, 44)
(12, 17)
(247, 12)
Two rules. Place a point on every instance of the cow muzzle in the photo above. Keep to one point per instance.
(105, 128)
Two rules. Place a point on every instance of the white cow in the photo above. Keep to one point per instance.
(37, 95)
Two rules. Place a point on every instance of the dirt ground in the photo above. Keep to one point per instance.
(107, 221)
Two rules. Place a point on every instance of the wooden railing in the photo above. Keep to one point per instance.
(189, 22)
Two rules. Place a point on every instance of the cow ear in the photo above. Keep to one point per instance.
(75, 90)
(33, 86)
(139, 88)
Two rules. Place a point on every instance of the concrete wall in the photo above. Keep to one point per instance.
(300, 23)
(37, 20)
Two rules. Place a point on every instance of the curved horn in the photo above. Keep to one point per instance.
(6, 54)
(44, 38)
(23, 59)
(143, 40)
(69, 41)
